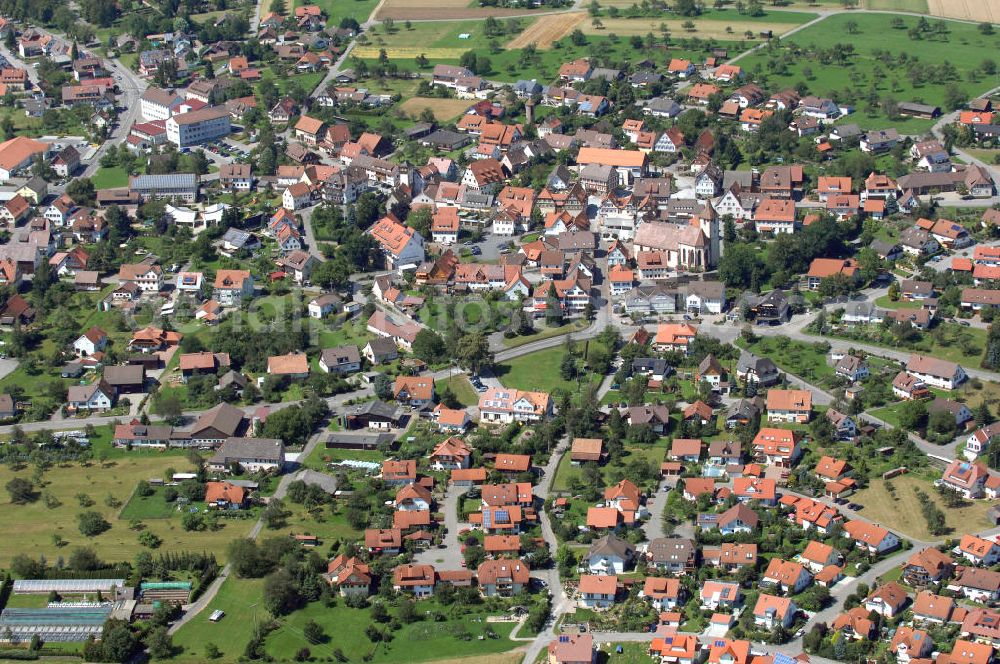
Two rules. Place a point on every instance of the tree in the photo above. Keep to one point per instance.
(420, 221)
(118, 643)
(281, 593)
(313, 632)
(21, 491)
(92, 523)
(82, 191)
(429, 346)
(473, 352)
(160, 643)
(741, 267)
(382, 386)
(912, 415)
(84, 559)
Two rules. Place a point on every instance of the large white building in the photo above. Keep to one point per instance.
(196, 127)
(158, 104)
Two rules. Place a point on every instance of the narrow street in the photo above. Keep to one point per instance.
(449, 554)
(560, 601)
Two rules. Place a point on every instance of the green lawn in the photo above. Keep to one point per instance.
(241, 599)
(887, 303)
(802, 359)
(962, 47)
(149, 507)
(547, 333)
(110, 178)
(461, 388)
(539, 371)
(420, 641)
(888, 413)
(566, 470)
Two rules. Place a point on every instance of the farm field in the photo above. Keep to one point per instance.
(704, 28)
(962, 47)
(902, 514)
(429, 10)
(443, 109)
(969, 10)
(548, 29)
(36, 524)
(439, 42)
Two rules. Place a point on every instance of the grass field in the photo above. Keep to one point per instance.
(461, 388)
(725, 28)
(415, 642)
(359, 10)
(963, 47)
(110, 178)
(902, 513)
(915, 6)
(540, 371)
(443, 109)
(36, 524)
(241, 600)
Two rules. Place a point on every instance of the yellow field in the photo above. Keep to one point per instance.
(548, 29)
(438, 10)
(902, 514)
(444, 109)
(971, 10)
(627, 27)
(31, 527)
(399, 52)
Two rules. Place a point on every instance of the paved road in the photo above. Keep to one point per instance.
(132, 87)
(656, 504)
(450, 556)
(560, 601)
(7, 367)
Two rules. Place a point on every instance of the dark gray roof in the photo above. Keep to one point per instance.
(611, 545)
(377, 408)
(132, 374)
(313, 478)
(264, 449)
(670, 550)
(340, 355)
(165, 182)
(224, 418)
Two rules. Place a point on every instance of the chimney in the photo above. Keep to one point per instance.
(529, 111)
